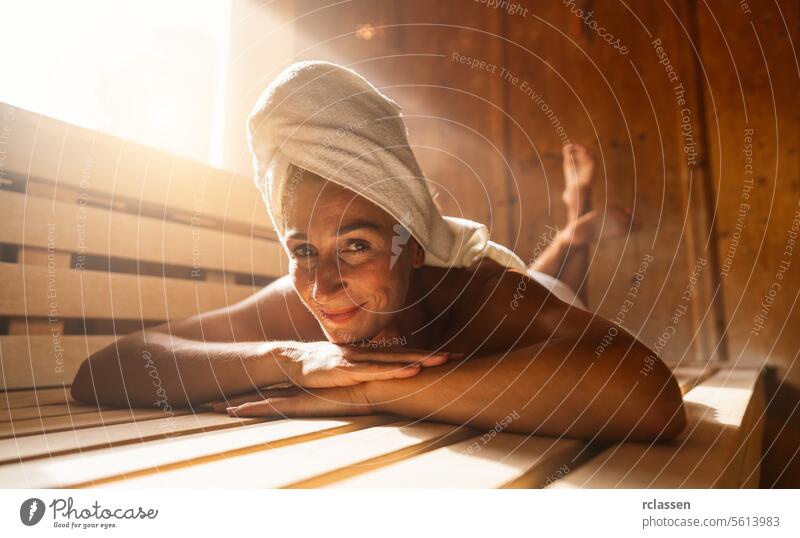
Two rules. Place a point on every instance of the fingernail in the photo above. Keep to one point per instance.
(231, 411)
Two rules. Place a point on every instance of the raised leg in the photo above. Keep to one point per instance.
(567, 256)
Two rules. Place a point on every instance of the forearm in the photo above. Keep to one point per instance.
(555, 389)
(154, 368)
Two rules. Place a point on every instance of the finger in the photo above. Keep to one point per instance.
(306, 404)
(371, 371)
(423, 357)
(222, 406)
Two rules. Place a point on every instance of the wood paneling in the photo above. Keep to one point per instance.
(128, 174)
(751, 83)
(97, 294)
(83, 229)
(45, 361)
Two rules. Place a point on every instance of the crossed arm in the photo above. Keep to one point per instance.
(537, 371)
(558, 386)
(549, 382)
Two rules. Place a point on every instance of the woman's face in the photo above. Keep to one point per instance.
(342, 262)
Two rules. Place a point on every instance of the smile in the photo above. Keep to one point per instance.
(340, 317)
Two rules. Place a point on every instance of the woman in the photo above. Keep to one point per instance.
(391, 307)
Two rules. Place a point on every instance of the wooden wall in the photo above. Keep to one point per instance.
(751, 92)
(668, 126)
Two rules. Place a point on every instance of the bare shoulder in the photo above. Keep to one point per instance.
(275, 312)
(503, 308)
(281, 313)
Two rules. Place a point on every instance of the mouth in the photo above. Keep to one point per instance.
(340, 316)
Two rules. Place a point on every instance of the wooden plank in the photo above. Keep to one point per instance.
(689, 377)
(43, 361)
(96, 294)
(282, 467)
(748, 472)
(78, 228)
(39, 256)
(56, 410)
(106, 465)
(377, 462)
(51, 444)
(34, 426)
(505, 460)
(32, 398)
(707, 453)
(97, 164)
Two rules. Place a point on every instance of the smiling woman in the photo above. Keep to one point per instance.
(340, 247)
(372, 260)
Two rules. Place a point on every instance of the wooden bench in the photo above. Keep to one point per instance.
(102, 237)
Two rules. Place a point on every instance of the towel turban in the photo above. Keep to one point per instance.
(329, 120)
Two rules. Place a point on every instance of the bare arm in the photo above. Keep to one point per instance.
(558, 368)
(145, 368)
(266, 339)
(205, 357)
(540, 371)
(554, 388)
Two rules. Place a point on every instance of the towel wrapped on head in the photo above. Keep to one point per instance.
(329, 120)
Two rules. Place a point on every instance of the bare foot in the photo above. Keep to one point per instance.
(578, 167)
(594, 225)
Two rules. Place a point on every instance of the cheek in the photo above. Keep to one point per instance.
(386, 286)
(302, 283)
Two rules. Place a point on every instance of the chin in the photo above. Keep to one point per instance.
(349, 335)
(342, 335)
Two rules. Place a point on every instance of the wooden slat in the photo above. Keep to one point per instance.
(504, 460)
(96, 294)
(56, 410)
(51, 444)
(748, 472)
(707, 454)
(281, 467)
(95, 162)
(96, 466)
(34, 426)
(689, 377)
(44, 361)
(69, 227)
(34, 397)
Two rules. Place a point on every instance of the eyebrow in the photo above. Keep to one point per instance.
(358, 225)
(344, 229)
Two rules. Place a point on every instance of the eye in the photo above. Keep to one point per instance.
(357, 246)
(303, 251)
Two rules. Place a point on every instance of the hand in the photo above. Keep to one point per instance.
(296, 402)
(324, 364)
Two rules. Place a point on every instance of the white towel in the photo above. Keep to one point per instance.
(330, 120)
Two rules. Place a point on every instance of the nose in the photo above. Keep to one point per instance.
(328, 281)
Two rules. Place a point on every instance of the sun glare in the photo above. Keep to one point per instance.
(150, 71)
